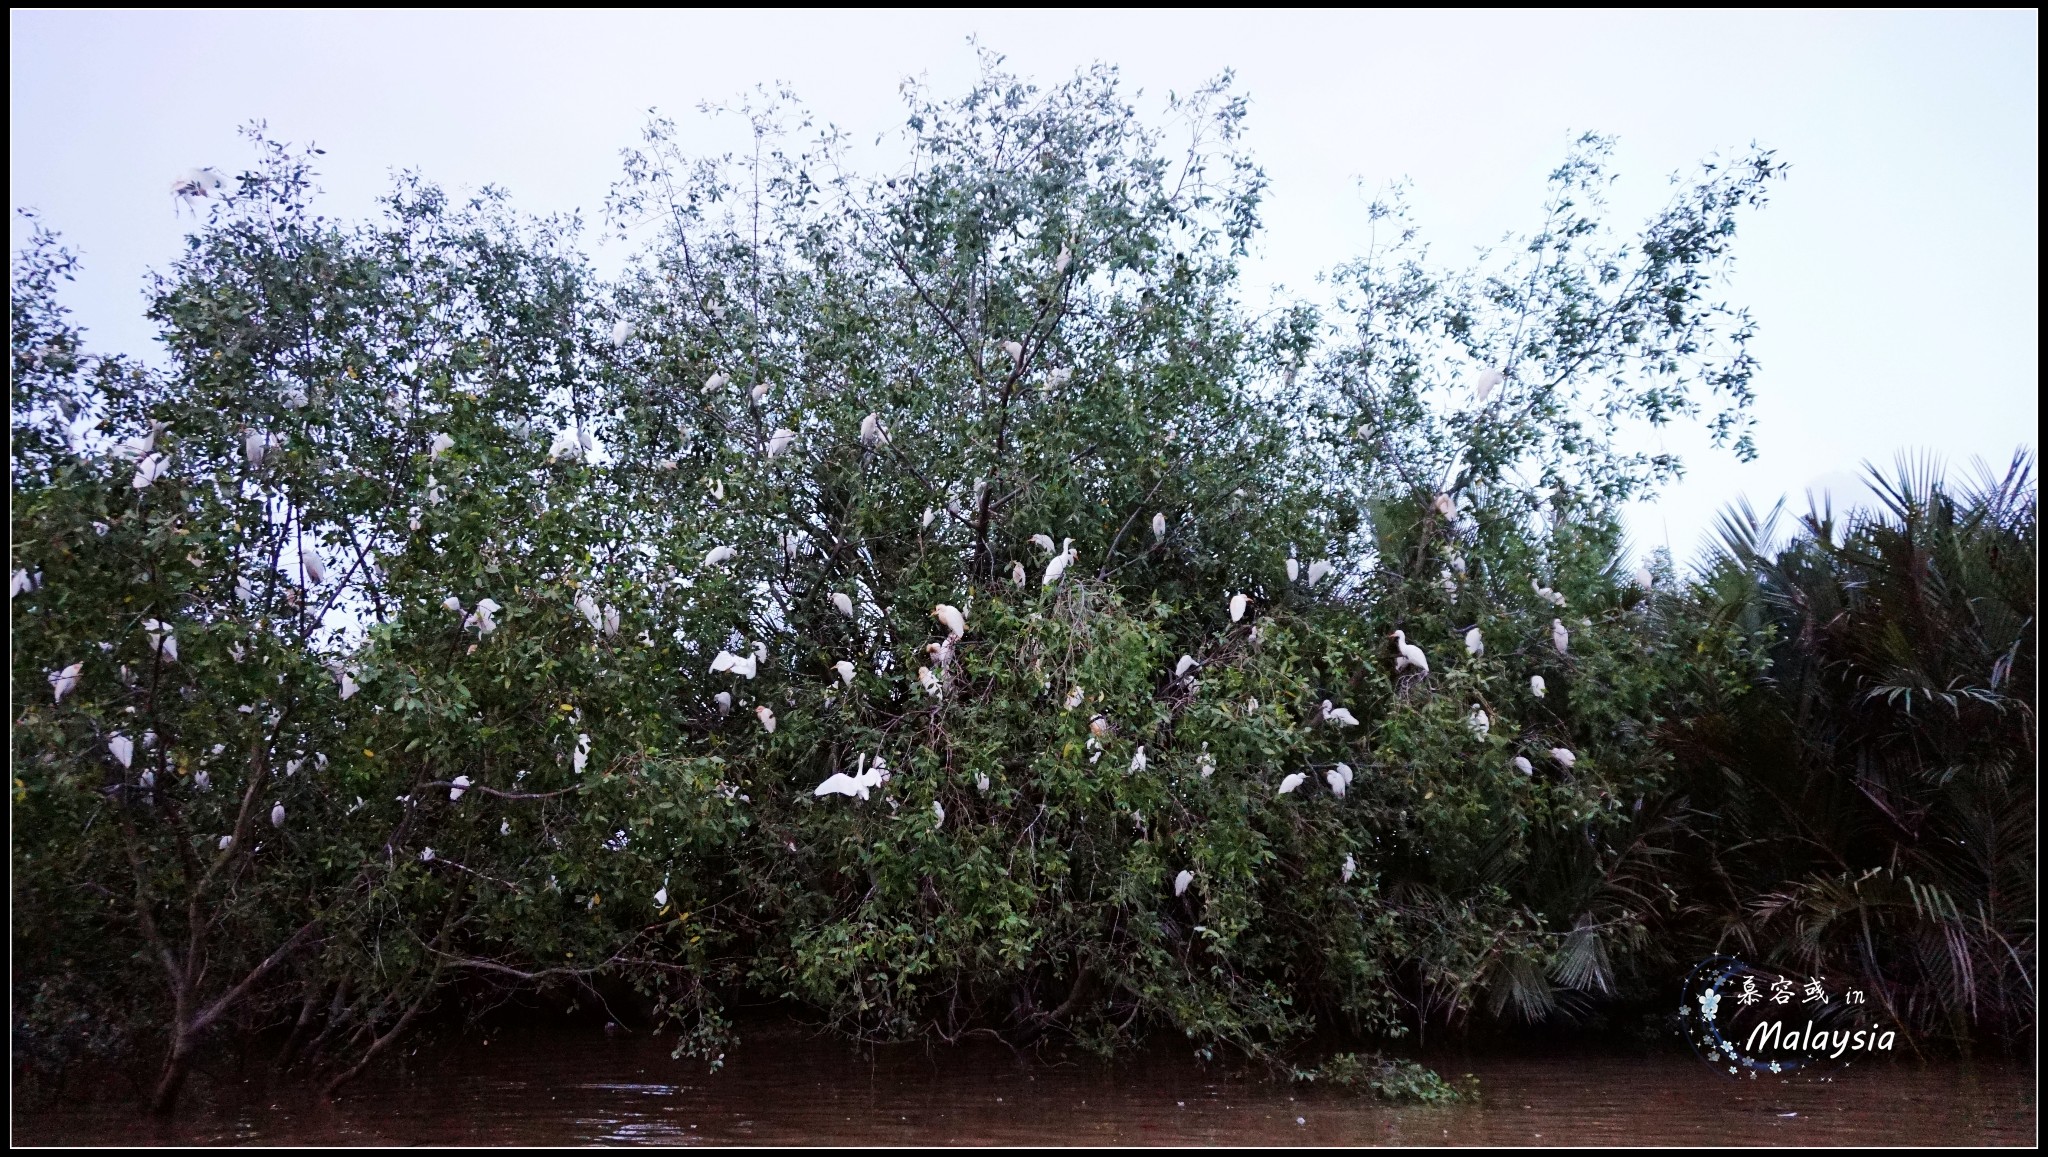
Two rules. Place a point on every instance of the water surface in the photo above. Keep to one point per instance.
(785, 1086)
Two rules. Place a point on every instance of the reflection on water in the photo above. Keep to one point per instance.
(784, 1086)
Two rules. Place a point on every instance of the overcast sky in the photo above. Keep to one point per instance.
(1893, 278)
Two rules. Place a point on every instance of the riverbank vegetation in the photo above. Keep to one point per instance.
(940, 601)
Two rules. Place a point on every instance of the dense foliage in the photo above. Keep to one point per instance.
(443, 622)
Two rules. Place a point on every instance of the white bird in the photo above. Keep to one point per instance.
(871, 431)
(568, 444)
(982, 783)
(717, 555)
(1073, 698)
(780, 441)
(1044, 542)
(1564, 756)
(1292, 781)
(226, 842)
(151, 468)
(1536, 686)
(845, 670)
(426, 855)
(582, 755)
(1181, 882)
(843, 604)
(1058, 378)
(759, 391)
(1317, 569)
(1205, 763)
(296, 398)
(348, 685)
(1099, 726)
(452, 603)
(1350, 867)
(1341, 716)
(587, 607)
(956, 623)
(1293, 569)
(457, 786)
(1017, 575)
(1338, 784)
(1411, 655)
(436, 493)
(1559, 637)
(622, 332)
(277, 815)
(122, 747)
(855, 786)
(1479, 721)
(482, 618)
(928, 681)
(939, 810)
(1487, 383)
(441, 444)
(724, 701)
(716, 382)
(1016, 352)
(610, 628)
(258, 447)
(1445, 506)
(1066, 258)
(310, 566)
(1644, 578)
(746, 667)
(1138, 761)
(198, 183)
(1187, 663)
(661, 897)
(1475, 643)
(1344, 769)
(1523, 765)
(1060, 562)
(23, 583)
(1237, 605)
(1159, 527)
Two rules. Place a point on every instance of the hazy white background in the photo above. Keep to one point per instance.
(1893, 277)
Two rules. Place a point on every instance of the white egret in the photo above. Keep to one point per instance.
(1445, 506)
(1187, 663)
(939, 810)
(1044, 542)
(1484, 387)
(200, 182)
(928, 681)
(1159, 528)
(843, 604)
(122, 747)
(1337, 782)
(1480, 723)
(717, 555)
(348, 685)
(845, 670)
(1350, 867)
(610, 628)
(482, 618)
(982, 783)
(258, 447)
(457, 786)
(1340, 716)
(1523, 765)
(746, 667)
(780, 441)
(1205, 763)
(587, 607)
(1181, 882)
(426, 855)
(1475, 643)
(759, 391)
(871, 431)
(622, 332)
(1644, 578)
(23, 582)
(1073, 698)
(724, 701)
(1411, 655)
(716, 382)
(441, 444)
(1060, 562)
(151, 468)
(1559, 637)
(581, 758)
(450, 603)
(277, 815)
(1344, 770)
(1058, 378)
(1317, 569)
(1293, 780)
(1016, 352)
(1536, 686)
(1564, 756)
(201, 780)
(661, 896)
(226, 842)
(929, 514)
(1017, 575)
(840, 783)
(1066, 258)
(1293, 569)
(955, 622)
(1237, 605)
(1138, 761)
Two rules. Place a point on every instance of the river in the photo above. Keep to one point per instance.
(785, 1086)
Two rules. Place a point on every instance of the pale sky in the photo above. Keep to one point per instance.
(1893, 278)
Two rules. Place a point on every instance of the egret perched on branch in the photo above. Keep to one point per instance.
(759, 391)
(622, 332)
(928, 681)
(135, 448)
(727, 661)
(1291, 781)
(1350, 867)
(843, 604)
(1564, 756)
(723, 700)
(1340, 716)
(201, 182)
(1058, 378)
(855, 786)
(277, 815)
(1060, 562)
(871, 431)
(1016, 352)
(1523, 765)
(716, 382)
(845, 670)
(1479, 721)
(780, 441)
(1484, 387)
(939, 810)
(1475, 643)
(439, 445)
(1644, 578)
(1066, 258)
(766, 716)
(1559, 637)
(258, 447)
(482, 618)
(955, 622)
(151, 468)
(1187, 663)
(1536, 686)
(122, 747)
(1181, 882)
(1074, 696)
(1445, 506)
(1044, 542)
(1138, 761)
(1205, 763)
(1339, 779)
(1411, 655)
(1159, 527)
(1317, 569)
(1237, 605)
(1017, 575)
(717, 555)
(587, 607)
(457, 786)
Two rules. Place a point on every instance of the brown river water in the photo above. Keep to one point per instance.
(786, 1086)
